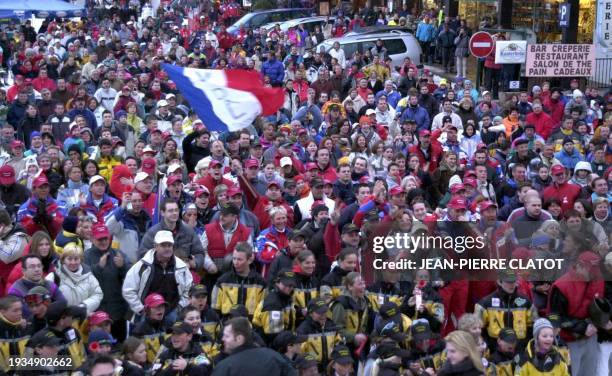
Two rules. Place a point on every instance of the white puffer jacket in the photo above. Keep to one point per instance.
(80, 288)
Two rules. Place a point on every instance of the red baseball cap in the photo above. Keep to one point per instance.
(557, 169)
(316, 203)
(214, 163)
(148, 165)
(311, 166)
(154, 300)
(16, 144)
(40, 181)
(100, 231)
(251, 162)
(7, 175)
(99, 317)
(397, 190)
(200, 191)
(470, 181)
(457, 187)
(487, 204)
(233, 191)
(27, 81)
(471, 173)
(327, 182)
(173, 179)
(274, 183)
(458, 203)
(424, 132)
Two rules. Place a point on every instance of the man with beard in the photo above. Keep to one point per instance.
(243, 353)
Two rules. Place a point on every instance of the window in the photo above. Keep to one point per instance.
(394, 46)
(257, 20)
(298, 13)
(349, 49)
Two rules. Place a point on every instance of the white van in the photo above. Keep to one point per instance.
(399, 44)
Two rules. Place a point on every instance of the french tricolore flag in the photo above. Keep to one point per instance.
(225, 100)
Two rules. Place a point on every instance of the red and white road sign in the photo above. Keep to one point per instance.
(481, 44)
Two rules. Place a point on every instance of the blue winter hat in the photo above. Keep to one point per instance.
(34, 134)
(101, 337)
(119, 114)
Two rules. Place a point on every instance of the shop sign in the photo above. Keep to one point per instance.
(560, 60)
(603, 29)
(510, 51)
(564, 12)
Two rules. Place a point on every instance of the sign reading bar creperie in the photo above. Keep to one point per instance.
(560, 60)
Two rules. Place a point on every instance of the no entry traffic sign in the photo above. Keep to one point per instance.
(481, 44)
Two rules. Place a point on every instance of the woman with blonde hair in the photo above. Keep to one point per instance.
(470, 323)
(76, 280)
(462, 356)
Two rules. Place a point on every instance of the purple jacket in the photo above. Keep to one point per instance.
(21, 287)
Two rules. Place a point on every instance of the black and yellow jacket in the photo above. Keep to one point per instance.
(403, 323)
(533, 364)
(13, 340)
(153, 334)
(208, 346)
(197, 362)
(211, 323)
(321, 340)
(203, 341)
(434, 357)
(502, 310)
(274, 314)
(382, 292)
(232, 289)
(351, 316)
(434, 309)
(306, 289)
(71, 345)
(331, 283)
(503, 364)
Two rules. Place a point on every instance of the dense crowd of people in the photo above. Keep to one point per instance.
(136, 241)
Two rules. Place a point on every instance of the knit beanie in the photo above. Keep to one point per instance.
(539, 325)
(70, 223)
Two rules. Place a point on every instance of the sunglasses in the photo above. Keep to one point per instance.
(34, 299)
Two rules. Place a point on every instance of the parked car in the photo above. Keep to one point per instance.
(308, 22)
(399, 44)
(379, 30)
(258, 18)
